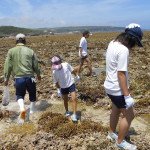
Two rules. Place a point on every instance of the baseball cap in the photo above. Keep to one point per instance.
(86, 32)
(56, 63)
(20, 36)
(135, 30)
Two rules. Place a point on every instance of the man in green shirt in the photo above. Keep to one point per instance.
(22, 62)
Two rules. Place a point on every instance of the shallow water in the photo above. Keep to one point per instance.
(145, 117)
(140, 123)
(98, 70)
(148, 74)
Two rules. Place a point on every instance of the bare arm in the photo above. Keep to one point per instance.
(57, 85)
(74, 72)
(123, 82)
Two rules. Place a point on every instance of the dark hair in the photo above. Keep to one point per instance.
(127, 40)
(21, 41)
(85, 32)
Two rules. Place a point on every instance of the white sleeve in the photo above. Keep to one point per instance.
(123, 58)
(82, 41)
(70, 67)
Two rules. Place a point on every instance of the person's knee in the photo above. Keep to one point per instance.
(74, 100)
(131, 114)
(81, 63)
(73, 97)
(89, 63)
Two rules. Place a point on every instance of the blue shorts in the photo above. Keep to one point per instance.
(84, 57)
(68, 90)
(23, 84)
(119, 101)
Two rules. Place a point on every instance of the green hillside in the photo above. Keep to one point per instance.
(11, 30)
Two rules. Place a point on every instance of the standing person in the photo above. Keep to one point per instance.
(116, 83)
(23, 62)
(83, 53)
(62, 73)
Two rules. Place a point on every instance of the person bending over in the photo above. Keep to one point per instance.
(62, 73)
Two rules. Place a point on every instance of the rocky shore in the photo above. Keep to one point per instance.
(48, 128)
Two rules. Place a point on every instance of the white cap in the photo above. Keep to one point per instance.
(20, 36)
(133, 25)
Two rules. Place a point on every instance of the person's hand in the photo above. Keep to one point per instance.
(5, 83)
(77, 78)
(59, 93)
(82, 56)
(129, 101)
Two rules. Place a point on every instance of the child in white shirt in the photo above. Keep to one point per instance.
(62, 73)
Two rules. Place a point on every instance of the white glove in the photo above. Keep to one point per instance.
(129, 101)
(77, 78)
(59, 93)
(132, 25)
(33, 80)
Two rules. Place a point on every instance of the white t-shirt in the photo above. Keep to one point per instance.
(117, 57)
(83, 45)
(64, 77)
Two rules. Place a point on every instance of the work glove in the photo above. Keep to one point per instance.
(77, 78)
(33, 80)
(59, 93)
(129, 101)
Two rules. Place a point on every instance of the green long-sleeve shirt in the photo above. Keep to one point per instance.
(22, 62)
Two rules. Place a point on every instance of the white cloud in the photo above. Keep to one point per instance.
(55, 13)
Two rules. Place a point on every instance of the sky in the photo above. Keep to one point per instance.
(64, 13)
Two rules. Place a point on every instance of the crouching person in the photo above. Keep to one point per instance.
(62, 73)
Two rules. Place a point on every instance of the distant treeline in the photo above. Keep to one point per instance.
(11, 30)
(82, 28)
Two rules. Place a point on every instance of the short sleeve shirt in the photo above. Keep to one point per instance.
(64, 77)
(117, 57)
(83, 45)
